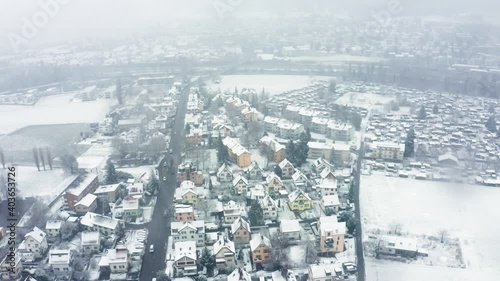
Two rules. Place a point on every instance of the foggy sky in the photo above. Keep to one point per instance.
(116, 17)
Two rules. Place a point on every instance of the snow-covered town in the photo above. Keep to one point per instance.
(302, 146)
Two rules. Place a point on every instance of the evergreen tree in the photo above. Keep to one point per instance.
(2, 158)
(435, 109)
(410, 144)
(422, 115)
(111, 177)
(49, 158)
(356, 119)
(278, 171)
(207, 260)
(153, 184)
(256, 214)
(119, 94)
(222, 153)
(69, 164)
(35, 157)
(491, 124)
(42, 158)
(290, 151)
(332, 87)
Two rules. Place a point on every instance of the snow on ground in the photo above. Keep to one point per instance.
(465, 211)
(365, 100)
(336, 59)
(259, 158)
(31, 182)
(273, 84)
(138, 172)
(297, 255)
(57, 109)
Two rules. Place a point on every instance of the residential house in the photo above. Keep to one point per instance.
(325, 271)
(330, 204)
(271, 124)
(320, 164)
(108, 192)
(327, 174)
(341, 153)
(254, 172)
(135, 189)
(186, 196)
(88, 184)
(290, 230)
(269, 208)
(231, 212)
(274, 183)
(327, 187)
(299, 179)
(319, 125)
(224, 252)
(224, 174)
(87, 204)
(11, 268)
(131, 207)
(239, 274)
(299, 201)
(189, 231)
(105, 225)
(250, 114)
(272, 148)
(257, 192)
(339, 132)
(240, 230)
(60, 261)
(53, 228)
(331, 234)
(260, 247)
(185, 258)
(399, 246)
(320, 149)
(388, 151)
(115, 261)
(240, 185)
(184, 213)
(91, 242)
(34, 245)
(287, 169)
(237, 153)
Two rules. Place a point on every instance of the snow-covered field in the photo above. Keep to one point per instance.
(273, 84)
(336, 59)
(58, 109)
(143, 172)
(365, 100)
(466, 212)
(31, 182)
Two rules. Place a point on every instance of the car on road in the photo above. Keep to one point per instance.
(165, 164)
(165, 213)
(151, 248)
(164, 178)
(171, 151)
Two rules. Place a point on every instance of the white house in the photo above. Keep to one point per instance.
(287, 169)
(290, 230)
(60, 261)
(269, 208)
(185, 258)
(91, 242)
(189, 231)
(274, 183)
(34, 245)
(224, 252)
(330, 204)
(224, 174)
(240, 184)
(327, 187)
(53, 228)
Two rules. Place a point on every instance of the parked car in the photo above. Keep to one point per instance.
(151, 248)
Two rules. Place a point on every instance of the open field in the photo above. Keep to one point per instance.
(466, 212)
(58, 109)
(32, 183)
(273, 84)
(365, 100)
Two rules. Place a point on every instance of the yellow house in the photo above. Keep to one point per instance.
(244, 159)
(261, 249)
(186, 196)
(299, 201)
(250, 114)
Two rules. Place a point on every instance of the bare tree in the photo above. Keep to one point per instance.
(443, 234)
(2, 158)
(280, 259)
(35, 157)
(395, 228)
(69, 164)
(42, 158)
(49, 158)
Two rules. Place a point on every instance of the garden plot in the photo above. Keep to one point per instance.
(465, 212)
(273, 84)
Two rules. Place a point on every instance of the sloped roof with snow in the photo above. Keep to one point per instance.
(37, 234)
(240, 222)
(259, 240)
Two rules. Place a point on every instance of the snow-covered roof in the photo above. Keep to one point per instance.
(328, 183)
(331, 200)
(237, 224)
(187, 184)
(130, 203)
(37, 234)
(267, 200)
(53, 224)
(288, 226)
(87, 201)
(90, 238)
(271, 177)
(298, 176)
(87, 180)
(224, 168)
(447, 156)
(239, 274)
(259, 240)
(62, 257)
(186, 249)
(239, 178)
(198, 225)
(326, 172)
(107, 188)
(285, 163)
(180, 208)
(180, 192)
(331, 224)
(223, 243)
(295, 194)
(92, 219)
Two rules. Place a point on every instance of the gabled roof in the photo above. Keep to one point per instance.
(239, 178)
(239, 274)
(185, 249)
(331, 200)
(294, 195)
(267, 200)
(288, 226)
(237, 224)
(271, 177)
(37, 234)
(224, 243)
(284, 163)
(224, 168)
(299, 176)
(198, 225)
(326, 172)
(259, 240)
(180, 192)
